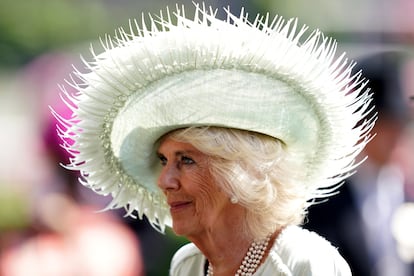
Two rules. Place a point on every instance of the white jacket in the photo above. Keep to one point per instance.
(296, 252)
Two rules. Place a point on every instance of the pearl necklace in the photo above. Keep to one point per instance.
(251, 260)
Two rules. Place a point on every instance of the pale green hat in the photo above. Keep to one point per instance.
(260, 76)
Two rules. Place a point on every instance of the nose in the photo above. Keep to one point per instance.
(168, 180)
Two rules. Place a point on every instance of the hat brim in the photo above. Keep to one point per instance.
(209, 72)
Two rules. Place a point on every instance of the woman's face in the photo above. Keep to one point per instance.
(196, 203)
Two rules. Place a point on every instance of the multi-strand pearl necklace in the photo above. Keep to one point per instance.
(251, 260)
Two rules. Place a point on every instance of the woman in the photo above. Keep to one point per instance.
(223, 201)
(225, 130)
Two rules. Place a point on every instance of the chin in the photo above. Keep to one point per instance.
(184, 229)
(179, 229)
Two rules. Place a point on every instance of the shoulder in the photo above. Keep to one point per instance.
(188, 260)
(186, 252)
(304, 252)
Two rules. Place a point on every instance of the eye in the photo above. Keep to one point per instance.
(163, 159)
(187, 160)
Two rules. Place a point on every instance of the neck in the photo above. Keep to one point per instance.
(226, 250)
(223, 248)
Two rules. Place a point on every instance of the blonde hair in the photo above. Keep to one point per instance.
(255, 169)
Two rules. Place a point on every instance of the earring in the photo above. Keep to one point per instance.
(234, 199)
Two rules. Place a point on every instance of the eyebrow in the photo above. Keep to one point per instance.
(178, 153)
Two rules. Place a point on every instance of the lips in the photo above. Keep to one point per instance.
(178, 205)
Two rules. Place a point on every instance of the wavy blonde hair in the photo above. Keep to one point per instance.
(257, 170)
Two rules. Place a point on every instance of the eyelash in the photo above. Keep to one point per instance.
(185, 160)
(163, 160)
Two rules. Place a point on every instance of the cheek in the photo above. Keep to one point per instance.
(202, 186)
(207, 193)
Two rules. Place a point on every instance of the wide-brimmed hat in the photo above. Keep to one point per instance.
(263, 76)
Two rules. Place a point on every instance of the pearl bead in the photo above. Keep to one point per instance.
(251, 260)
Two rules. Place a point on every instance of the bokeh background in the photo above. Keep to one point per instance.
(48, 222)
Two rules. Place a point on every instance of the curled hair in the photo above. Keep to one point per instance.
(255, 169)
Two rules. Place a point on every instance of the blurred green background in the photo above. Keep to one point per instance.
(30, 28)
(41, 39)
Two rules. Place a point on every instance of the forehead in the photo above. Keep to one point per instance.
(169, 145)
